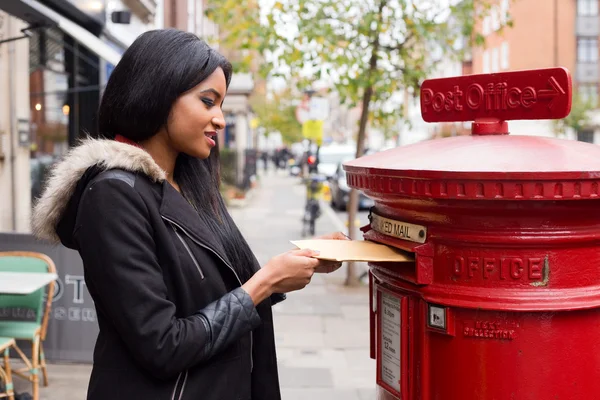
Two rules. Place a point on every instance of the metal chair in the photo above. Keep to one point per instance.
(32, 331)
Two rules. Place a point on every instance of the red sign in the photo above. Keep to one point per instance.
(533, 94)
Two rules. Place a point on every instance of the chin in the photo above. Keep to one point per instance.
(202, 154)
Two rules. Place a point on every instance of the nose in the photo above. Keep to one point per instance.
(218, 121)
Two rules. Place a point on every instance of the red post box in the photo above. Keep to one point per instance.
(502, 300)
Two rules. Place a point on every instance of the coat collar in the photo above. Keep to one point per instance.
(65, 175)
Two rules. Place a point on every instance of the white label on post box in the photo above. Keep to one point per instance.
(390, 340)
(399, 229)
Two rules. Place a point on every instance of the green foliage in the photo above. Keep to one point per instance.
(384, 45)
(578, 119)
(278, 114)
(381, 46)
(240, 30)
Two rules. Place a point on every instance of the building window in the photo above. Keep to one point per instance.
(495, 60)
(487, 26)
(589, 94)
(586, 136)
(504, 8)
(495, 15)
(587, 50)
(504, 56)
(486, 62)
(587, 8)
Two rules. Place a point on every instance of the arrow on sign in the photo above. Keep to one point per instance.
(551, 93)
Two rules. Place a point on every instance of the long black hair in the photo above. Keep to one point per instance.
(155, 70)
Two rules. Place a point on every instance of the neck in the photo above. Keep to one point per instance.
(163, 155)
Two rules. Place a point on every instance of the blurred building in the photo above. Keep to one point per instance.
(55, 59)
(557, 33)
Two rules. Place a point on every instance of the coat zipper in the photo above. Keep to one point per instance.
(183, 386)
(173, 223)
(176, 384)
(189, 252)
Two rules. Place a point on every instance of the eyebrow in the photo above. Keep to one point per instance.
(213, 91)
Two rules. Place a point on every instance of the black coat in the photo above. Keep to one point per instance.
(174, 322)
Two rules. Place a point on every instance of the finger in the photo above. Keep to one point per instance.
(328, 263)
(332, 236)
(326, 269)
(312, 263)
(341, 236)
(335, 236)
(305, 253)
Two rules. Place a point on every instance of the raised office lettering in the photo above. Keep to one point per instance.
(509, 269)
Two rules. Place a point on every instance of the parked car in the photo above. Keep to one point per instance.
(340, 191)
(331, 156)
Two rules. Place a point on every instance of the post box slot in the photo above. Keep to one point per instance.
(419, 271)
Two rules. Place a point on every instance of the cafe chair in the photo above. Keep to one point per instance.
(39, 302)
(6, 384)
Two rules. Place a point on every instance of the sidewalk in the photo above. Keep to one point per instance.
(322, 332)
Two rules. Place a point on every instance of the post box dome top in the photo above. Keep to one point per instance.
(489, 164)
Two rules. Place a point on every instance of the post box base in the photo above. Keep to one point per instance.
(452, 353)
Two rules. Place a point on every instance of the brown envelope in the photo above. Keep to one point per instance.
(354, 250)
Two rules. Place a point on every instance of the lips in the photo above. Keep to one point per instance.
(211, 138)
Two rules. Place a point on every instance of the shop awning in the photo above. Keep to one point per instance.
(34, 13)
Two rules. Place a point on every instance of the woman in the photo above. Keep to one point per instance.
(184, 309)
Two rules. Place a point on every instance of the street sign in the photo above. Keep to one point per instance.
(313, 130)
(303, 111)
(313, 108)
(319, 108)
(532, 94)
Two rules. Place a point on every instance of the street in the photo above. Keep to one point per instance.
(322, 331)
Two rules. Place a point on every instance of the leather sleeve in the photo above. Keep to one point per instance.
(226, 318)
(116, 242)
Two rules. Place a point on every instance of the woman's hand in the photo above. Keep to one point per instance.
(282, 274)
(326, 267)
(290, 271)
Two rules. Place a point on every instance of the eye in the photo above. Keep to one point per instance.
(209, 102)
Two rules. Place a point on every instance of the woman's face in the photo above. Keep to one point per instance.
(197, 115)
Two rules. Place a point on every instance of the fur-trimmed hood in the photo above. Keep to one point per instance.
(66, 175)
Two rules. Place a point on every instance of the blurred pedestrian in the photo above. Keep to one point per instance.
(265, 160)
(184, 308)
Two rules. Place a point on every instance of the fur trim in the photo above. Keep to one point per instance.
(107, 154)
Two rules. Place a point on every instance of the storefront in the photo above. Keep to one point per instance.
(50, 109)
(53, 64)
